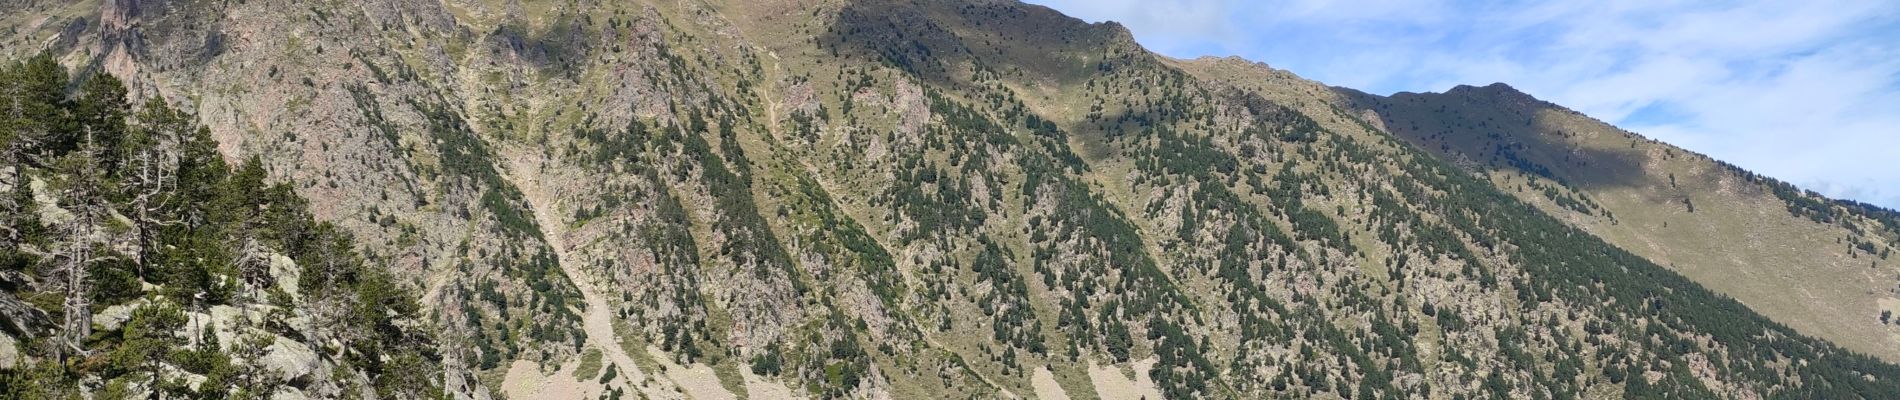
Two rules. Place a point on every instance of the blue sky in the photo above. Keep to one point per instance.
(1807, 91)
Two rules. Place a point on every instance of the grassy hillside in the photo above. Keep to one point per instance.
(1813, 263)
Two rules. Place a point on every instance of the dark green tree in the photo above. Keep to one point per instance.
(147, 343)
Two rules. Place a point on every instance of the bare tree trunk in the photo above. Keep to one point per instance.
(152, 183)
(13, 208)
(73, 258)
(78, 321)
(79, 254)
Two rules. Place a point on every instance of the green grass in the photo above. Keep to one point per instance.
(730, 378)
(1074, 380)
(635, 346)
(590, 365)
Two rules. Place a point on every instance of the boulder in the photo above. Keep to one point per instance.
(287, 273)
(289, 358)
(288, 393)
(9, 352)
(114, 317)
(20, 319)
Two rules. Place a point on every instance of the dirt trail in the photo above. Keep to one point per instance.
(598, 319)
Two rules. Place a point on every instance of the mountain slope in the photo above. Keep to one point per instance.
(904, 199)
(1815, 264)
(138, 264)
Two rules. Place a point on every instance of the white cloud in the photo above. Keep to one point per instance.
(1805, 91)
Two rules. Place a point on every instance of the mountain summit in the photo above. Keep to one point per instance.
(861, 198)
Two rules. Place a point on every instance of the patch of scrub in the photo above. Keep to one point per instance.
(699, 381)
(1890, 307)
(1111, 384)
(590, 365)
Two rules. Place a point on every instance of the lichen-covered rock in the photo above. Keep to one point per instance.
(289, 359)
(113, 316)
(10, 355)
(288, 393)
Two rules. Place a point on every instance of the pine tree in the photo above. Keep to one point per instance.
(99, 114)
(155, 182)
(31, 96)
(148, 341)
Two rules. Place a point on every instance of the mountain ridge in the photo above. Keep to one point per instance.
(1649, 179)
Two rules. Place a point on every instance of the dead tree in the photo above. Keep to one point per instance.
(73, 261)
(152, 179)
(82, 236)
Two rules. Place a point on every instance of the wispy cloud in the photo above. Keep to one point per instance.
(1805, 91)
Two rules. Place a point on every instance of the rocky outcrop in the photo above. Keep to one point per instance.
(20, 320)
